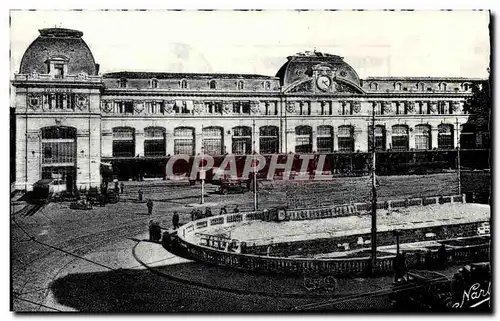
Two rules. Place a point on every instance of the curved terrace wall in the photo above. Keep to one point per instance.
(215, 251)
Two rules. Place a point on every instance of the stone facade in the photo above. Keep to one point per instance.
(315, 103)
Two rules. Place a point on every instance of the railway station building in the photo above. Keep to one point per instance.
(71, 119)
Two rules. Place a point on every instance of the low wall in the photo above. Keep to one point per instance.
(215, 251)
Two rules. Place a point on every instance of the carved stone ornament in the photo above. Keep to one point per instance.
(227, 107)
(387, 106)
(432, 106)
(35, 101)
(82, 76)
(169, 106)
(139, 107)
(198, 107)
(455, 106)
(82, 101)
(356, 106)
(106, 106)
(290, 106)
(255, 107)
(410, 106)
(33, 75)
(33, 136)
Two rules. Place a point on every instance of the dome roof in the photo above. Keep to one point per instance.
(59, 43)
(301, 66)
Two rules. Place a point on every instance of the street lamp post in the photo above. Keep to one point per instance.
(374, 198)
(255, 200)
(458, 159)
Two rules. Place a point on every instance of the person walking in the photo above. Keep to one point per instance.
(208, 212)
(149, 204)
(151, 232)
(223, 210)
(175, 220)
(140, 195)
(122, 186)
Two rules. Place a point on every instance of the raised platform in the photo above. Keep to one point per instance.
(418, 217)
(297, 245)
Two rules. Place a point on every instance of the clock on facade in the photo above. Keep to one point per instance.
(324, 82)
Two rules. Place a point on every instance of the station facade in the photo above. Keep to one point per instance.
(70, 119)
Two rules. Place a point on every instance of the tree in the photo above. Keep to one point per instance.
(479, 107)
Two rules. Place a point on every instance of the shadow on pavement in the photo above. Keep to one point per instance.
(143, 291)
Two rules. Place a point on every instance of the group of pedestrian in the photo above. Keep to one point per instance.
(154, 231)
(197, 213)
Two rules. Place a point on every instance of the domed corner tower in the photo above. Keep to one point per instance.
(57, 110)
(319, 73)
(56, 48)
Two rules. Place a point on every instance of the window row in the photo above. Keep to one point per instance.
(212, 139)
(420, 86)
(183, 84)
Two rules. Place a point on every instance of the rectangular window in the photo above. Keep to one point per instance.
(325, 139)
(47, 152)
(245, 107)
(184, 146)
(58, 71)
(345, 139)
(236, 107)
(421, 142)
(154, 147)
(379, 138)
(128, 107)
(123, 148)
(58, 152)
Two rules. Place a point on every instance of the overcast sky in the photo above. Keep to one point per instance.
(374, 43)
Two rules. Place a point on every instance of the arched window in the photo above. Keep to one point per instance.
(443, 86)
(398, 86)
(240, 85)
(123, 142)
(154, 141)
(58, 145)
(420, 86)
(122, 83)
(325, 139)
(374, 86)
(242, 140)
(422, 137)
(184, 141)
(445, 136)
(213, 84)
(468, 136)
(267, 85)
(346, 138)
(184, 84)
(154, 83)
(466, 86)
(269, 140)
(213, 140)
(303, 139)
(400, 137)
(379, 137)
(59, 155)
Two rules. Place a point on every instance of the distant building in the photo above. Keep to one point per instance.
(70, 118)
